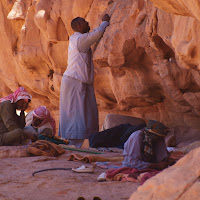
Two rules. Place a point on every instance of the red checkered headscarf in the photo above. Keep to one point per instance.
(20, 93)
(43, 114)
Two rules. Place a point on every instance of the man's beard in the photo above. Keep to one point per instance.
(87, 31)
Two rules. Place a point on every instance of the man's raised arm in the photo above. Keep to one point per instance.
(87, 39)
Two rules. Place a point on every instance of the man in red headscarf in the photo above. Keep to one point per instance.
(42, 121)
(11, 125)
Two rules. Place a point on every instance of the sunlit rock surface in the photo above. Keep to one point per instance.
(180, 181)
(146, 65)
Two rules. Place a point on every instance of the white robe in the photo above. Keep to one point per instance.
(78, 108)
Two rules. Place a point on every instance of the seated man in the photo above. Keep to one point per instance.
(11, 125)
(146, 148)
(42, 121)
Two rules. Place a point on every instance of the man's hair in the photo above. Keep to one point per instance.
(74, 23)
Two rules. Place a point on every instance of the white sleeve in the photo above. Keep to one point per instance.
(87, 39)
(132, 152)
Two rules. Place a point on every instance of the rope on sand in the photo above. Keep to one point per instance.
(50, 169)
(81, 150)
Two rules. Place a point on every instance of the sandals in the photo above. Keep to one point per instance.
(83, 169)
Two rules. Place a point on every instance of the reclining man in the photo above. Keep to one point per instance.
(146, 148)
(11, 125)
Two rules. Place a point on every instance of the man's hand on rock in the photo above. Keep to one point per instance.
(106, 17)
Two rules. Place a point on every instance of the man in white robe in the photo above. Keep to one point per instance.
(78, 108)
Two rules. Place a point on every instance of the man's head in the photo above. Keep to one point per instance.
(80, 25)
(22, 104)
(157, 128)
(37, 121)
(21, 98)
(40, 116)
(153, 133)
(19, 94)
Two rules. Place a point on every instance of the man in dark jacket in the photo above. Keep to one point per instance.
(11, 125)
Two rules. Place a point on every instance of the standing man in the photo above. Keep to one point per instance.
(78, 108)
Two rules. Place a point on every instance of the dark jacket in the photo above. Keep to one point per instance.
(9, 120)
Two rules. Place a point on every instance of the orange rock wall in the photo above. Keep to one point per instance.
(146, 64)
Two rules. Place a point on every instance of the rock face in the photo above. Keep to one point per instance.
(180, 181)
(146, 64)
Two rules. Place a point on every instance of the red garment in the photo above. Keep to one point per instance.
(20, 93)
(131, 174)
(42, 113)
(125, 170)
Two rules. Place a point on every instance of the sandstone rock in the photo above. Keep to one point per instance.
(177, 182)
(181, 7)
(146, 64)
(113, 120)
(13, 152)
(187, 148)
(185, 135)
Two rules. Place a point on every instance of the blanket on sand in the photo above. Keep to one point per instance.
(117, 164)
(130, 174)
(94, 158)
